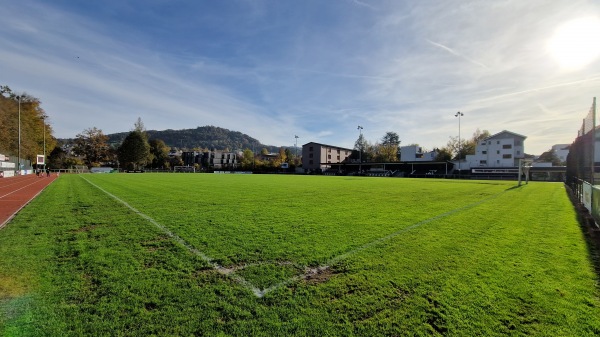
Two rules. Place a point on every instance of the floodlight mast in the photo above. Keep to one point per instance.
(459, 114)
(360, 128)
(20, 97)
(296, 146)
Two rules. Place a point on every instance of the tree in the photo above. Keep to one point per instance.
(34, 129)
(139, 126)
(389, 148)
(280, 159)
(363, 150)
(134, 152)
(550, 157)
(288, 154)
(92, 147)
(443, 154)
(159, 153)
(247, 159)
(466, 146)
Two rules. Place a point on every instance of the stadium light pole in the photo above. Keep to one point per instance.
(19, 149)
(296, 146)
(360, 128)
(459, 114)
(44, 122)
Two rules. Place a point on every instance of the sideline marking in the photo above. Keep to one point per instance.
(309, 271)
(224, 271)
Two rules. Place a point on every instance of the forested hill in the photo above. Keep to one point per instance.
(203, 137)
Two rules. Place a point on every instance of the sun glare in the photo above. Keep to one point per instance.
(576, 43)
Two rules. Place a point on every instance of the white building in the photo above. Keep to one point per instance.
(415, 153)
(561, 151)
(503, 149)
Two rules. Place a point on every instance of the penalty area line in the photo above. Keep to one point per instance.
(224, 271)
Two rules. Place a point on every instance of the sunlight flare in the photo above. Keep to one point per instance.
(576, 43)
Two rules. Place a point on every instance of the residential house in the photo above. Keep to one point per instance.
(502, 150)
(415, 153)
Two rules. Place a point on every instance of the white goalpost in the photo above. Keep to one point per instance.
(524, 166)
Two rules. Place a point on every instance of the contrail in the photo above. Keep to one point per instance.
(558, 85)
(453, 52)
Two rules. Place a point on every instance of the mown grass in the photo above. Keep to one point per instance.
(404, 257)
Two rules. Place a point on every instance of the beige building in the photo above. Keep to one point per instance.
(316, 156)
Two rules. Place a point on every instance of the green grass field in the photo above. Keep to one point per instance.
(268, 255)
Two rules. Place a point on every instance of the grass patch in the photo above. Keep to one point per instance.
(338, 256)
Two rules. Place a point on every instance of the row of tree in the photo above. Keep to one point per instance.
(23, 125)
(388, 148)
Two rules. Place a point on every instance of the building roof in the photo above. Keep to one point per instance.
(505, 131)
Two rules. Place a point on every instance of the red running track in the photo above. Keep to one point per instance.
(16, 192)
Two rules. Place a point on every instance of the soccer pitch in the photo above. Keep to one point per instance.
(199, 254)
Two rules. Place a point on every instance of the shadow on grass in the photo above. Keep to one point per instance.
(589, 229)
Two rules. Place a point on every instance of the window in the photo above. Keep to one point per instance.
(497, 142)
(310, 148)
(483, 152)
(483, 162)
(310, 162)
(338, 158)
(506, 156)
(310, 155)
(338, 152)
(517, 142)
(498, 152)
(329, 156)
(518, 152)
(507, 146)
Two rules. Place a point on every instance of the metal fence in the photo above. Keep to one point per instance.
(583, 165)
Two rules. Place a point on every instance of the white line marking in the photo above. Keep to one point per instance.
(224, 271)
(309, 271)
(336, 259)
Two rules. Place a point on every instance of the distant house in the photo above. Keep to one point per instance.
(502, 150)
(415, 153)
(316, 156)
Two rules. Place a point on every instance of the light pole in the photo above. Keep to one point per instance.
(19, 149)
(44, 122)
(459, 114)
(296, 146)
(360, 128)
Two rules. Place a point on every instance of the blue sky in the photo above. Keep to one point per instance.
(316, 69)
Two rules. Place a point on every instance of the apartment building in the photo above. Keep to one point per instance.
(316, 156)
(503, 149)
